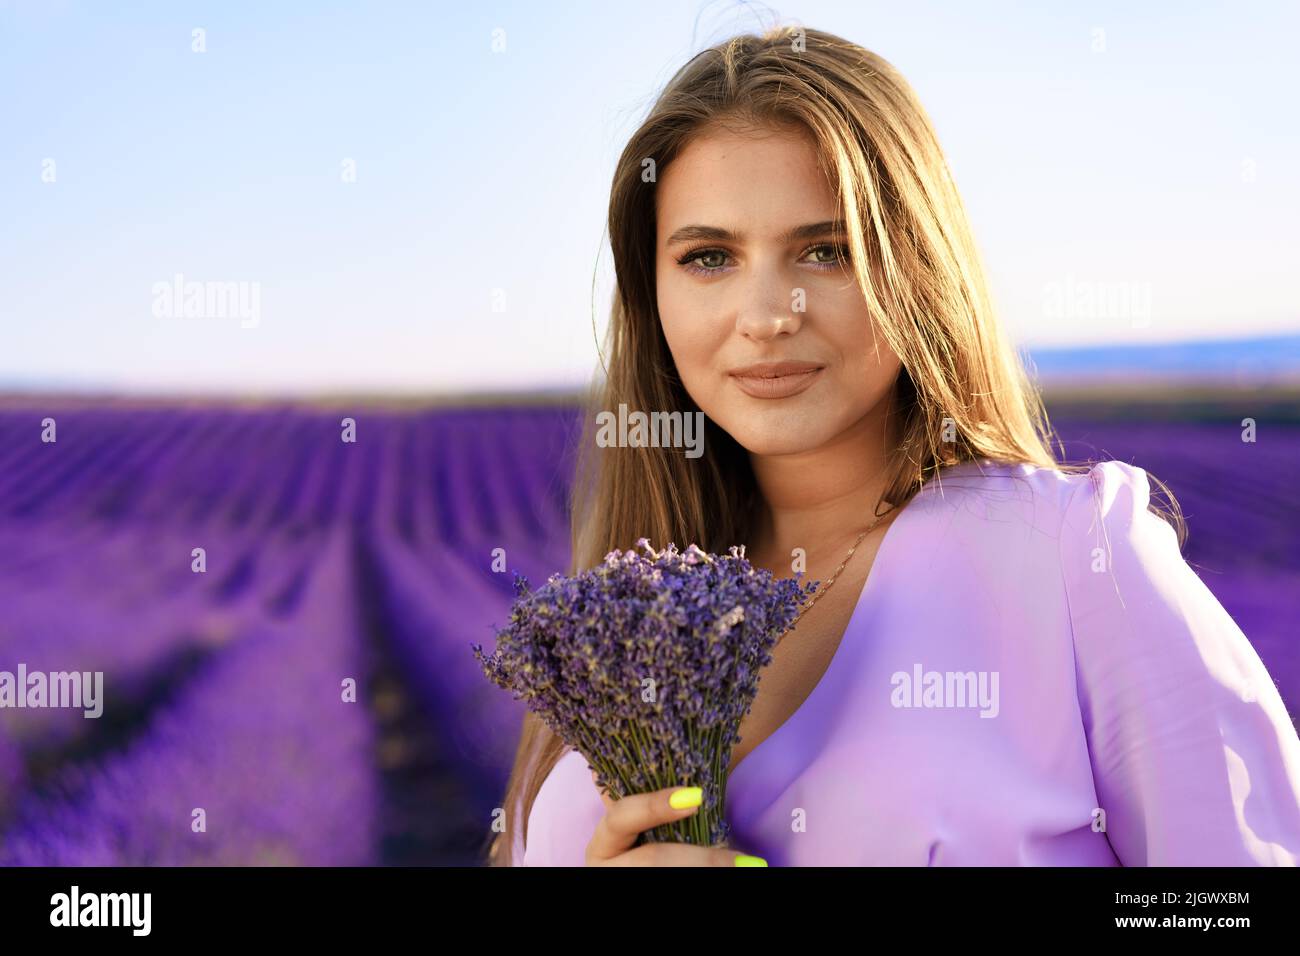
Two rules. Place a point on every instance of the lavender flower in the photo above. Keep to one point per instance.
(646, 664)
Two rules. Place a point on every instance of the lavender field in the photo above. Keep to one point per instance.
(371, 561)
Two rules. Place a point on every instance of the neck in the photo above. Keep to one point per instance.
(821, 499)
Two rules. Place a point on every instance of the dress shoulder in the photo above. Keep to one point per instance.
(1195, 759)
(564, 815)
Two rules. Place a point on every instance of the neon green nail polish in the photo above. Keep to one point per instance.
(745, 859)
(686, 797)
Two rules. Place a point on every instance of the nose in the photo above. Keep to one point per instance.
(767, 308)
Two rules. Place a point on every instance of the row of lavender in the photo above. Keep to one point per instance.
(228, 735)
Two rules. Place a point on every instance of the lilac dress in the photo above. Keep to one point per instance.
(1032, 675)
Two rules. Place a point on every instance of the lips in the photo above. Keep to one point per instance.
(775, 379)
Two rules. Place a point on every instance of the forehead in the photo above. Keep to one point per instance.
(753, 180)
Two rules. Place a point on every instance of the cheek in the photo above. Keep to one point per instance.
(868, 366)
(871, 378)
(693, 331)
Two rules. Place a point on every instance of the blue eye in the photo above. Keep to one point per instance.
(709, 261)
(841, 255)
(691, 257)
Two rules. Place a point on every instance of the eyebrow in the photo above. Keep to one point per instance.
(812, 230)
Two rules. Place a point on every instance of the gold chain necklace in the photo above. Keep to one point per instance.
(817, 596)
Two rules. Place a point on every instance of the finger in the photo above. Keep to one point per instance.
(627, 818)
(676, 854)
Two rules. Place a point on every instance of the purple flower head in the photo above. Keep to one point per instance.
(646, 664)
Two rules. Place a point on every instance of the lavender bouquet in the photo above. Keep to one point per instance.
(646, 664)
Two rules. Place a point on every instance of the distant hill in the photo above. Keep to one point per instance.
(1250, 361)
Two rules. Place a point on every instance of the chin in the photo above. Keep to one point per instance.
(774, 433)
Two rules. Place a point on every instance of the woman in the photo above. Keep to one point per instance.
(1008, 661)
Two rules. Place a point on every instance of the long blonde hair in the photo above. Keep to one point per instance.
(913, 256)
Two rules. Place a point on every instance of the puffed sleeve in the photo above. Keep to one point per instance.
(1195, 760)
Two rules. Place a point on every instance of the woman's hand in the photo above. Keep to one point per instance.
(614, 842)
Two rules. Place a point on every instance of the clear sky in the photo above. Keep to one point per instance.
(1141, 155)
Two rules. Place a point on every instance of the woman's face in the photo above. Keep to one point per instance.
(749, 271)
